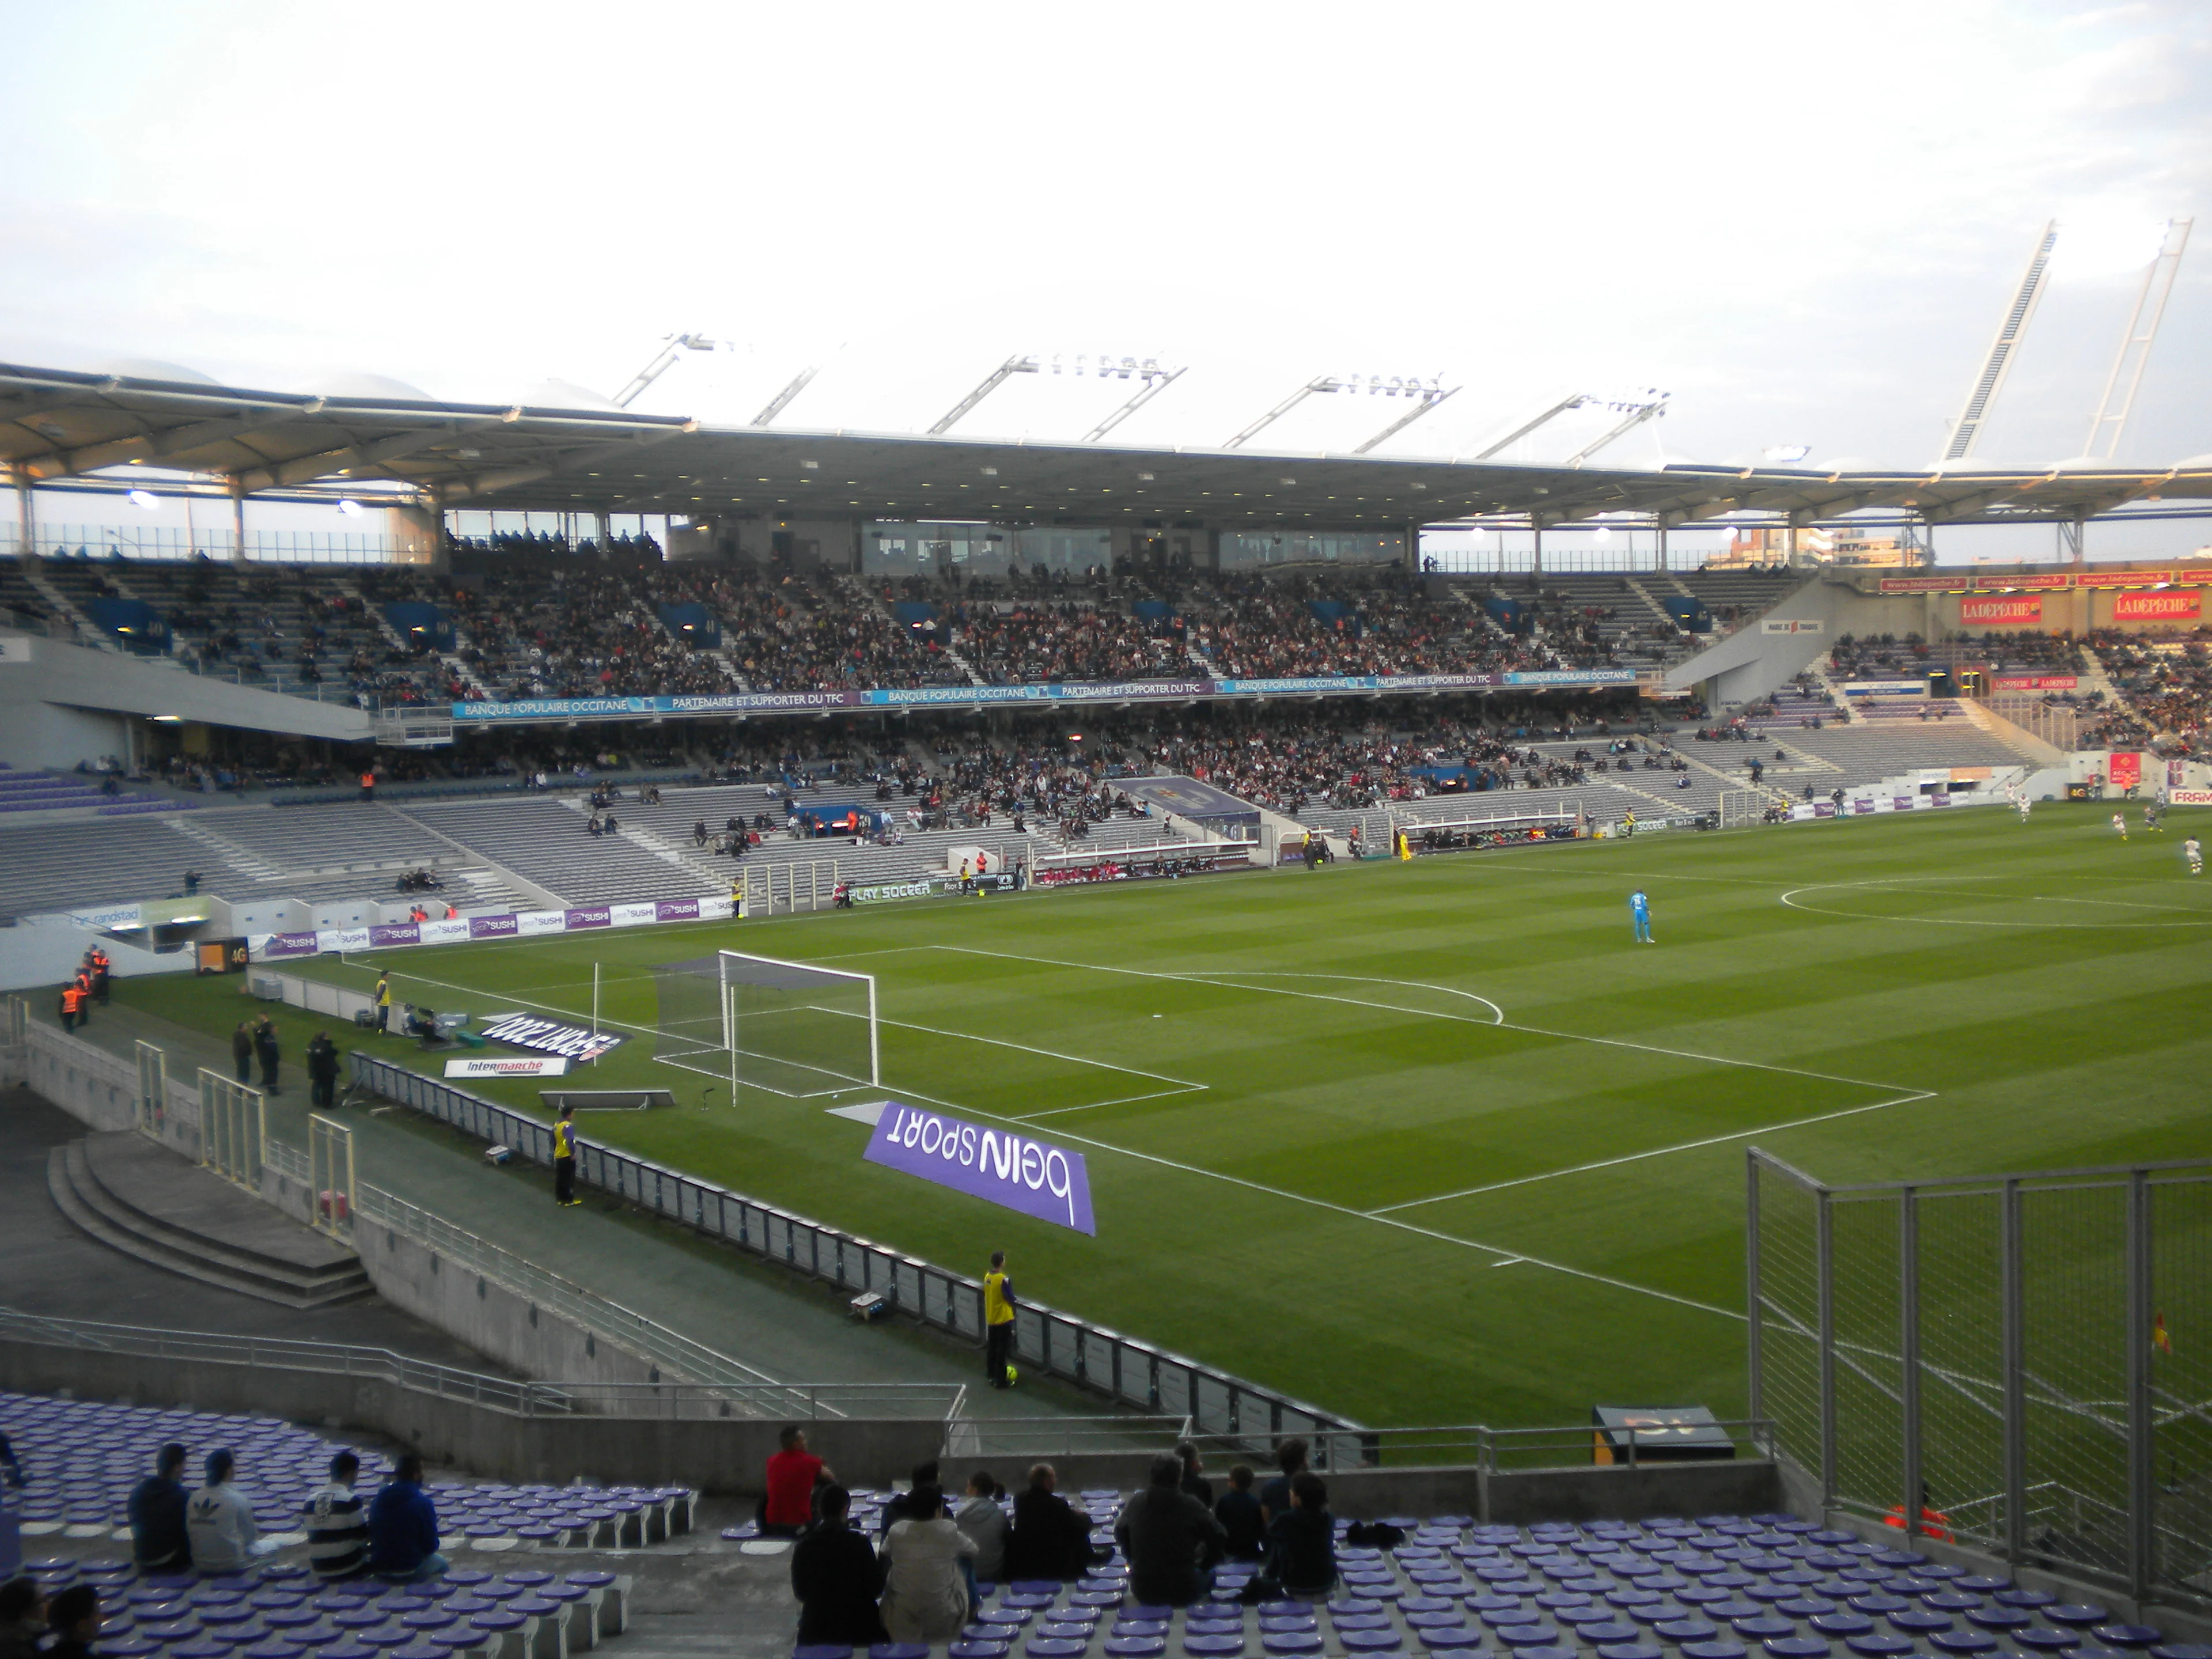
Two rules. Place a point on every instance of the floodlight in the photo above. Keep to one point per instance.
(143, 498)
(350, 508)
(1604, 533)
(1786, 454)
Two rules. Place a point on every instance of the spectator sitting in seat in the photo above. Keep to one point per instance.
(337, 1529)
(1049, 1538)
(403, 1527)
(1301, 1547)
(1238, 1511)
(913, 1504)
(22, 1618)
(74, 1617)
(158, 1542)
(1275, 1496)
(1170, 1539)
(983, 1520)
(220, 1521)
(836, 1577)
(926, 1595)
(793, 1472)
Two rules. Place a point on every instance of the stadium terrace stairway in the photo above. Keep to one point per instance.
(144, 1200)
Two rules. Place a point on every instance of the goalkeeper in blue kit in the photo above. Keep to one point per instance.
(1639, 912)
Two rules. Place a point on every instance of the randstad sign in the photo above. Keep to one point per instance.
(1033, 1177)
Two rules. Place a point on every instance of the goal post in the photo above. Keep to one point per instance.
(789, 1028)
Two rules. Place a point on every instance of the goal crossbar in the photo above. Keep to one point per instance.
(789, 1028)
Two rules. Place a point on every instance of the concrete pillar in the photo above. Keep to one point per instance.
(1536, 525)
(237, 526)
(27, 518)
(417, 536)
(1663, 547)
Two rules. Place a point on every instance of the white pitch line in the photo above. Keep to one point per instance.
(1356, 1215)
(1093, 1105)
(1500, 1023)
(1049, 1054)
(1789, 900)
(1655, 1151)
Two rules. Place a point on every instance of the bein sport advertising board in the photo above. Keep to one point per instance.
(1032, 1177)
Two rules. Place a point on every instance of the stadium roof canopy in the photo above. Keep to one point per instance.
(65, 428)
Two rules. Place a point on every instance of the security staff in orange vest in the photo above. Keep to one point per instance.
(368, 784)
(101, 965)
(72, 1004)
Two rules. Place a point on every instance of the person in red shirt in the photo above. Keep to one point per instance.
(793, 1475)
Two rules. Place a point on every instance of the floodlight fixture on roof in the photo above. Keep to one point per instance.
(674, 346)
(1997, 362)
(1430, 390)
(1020, 363)
(1636, 413)
(781, 401)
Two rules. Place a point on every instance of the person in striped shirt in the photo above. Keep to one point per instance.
(337, 1524)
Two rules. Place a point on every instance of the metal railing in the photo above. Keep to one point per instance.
(686, 1360)
(333, 1197)
(233, 1129)
(924, 1402)
(1062, 1437)
(2014, 1361)
(1137, 1374)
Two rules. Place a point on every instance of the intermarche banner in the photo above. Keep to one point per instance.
(999, 1165)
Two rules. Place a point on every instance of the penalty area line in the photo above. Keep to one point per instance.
(1655, 1151)
(1506, 1257)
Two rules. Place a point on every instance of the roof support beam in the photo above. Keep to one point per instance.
(151, 446)
(997, 378)
(358, 458)
(485, 484)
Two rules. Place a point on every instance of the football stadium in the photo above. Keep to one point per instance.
(624, 1021)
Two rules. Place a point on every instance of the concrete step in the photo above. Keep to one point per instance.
(199, 1226)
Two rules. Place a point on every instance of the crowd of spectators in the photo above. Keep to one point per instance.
(916, 1581)
(2164, 683)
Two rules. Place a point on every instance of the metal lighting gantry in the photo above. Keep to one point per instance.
(2120, 385)
(675, 346)
(1997, 362)
(1426, 395)
(1156, 379)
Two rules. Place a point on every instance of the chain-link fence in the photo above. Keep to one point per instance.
(2021, 1364)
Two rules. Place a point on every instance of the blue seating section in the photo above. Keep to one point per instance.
(45, 791)
(1723, 1587)
(82, 1458)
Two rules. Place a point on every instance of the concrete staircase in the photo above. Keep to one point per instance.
(140, 1199)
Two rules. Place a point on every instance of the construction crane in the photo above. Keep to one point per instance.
(675, 345)
(1427, 395)
(2122, 384)
(1997, 363)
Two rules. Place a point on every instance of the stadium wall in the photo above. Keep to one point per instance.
(44, 952)
(49, 690)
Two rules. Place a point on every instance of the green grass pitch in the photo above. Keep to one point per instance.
(1438, 1142)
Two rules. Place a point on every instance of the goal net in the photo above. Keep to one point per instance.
(757, 1023)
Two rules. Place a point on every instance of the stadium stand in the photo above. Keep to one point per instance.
(2164, 685)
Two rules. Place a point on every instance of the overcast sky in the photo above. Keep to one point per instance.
(1802, 221)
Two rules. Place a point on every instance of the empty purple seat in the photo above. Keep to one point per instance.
(1126, 1647)
(2083, 1614)
(1213, 1647)
(1963, 1642)
(2046, 1639)
(1291, 1641)
(1878, 1644)
(2128, 1636)
(1798, 1647)
(1370, 1641)
(1631, 1650)
(1448, 1638)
